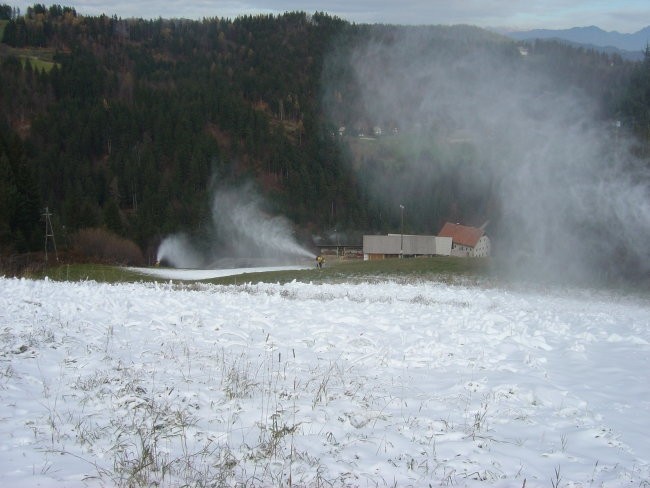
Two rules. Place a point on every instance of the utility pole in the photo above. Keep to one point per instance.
(337, 242)
(49, 233)
(401, 244)
(134, 197)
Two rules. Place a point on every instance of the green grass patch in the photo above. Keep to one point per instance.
(390, 150)
(37, 63)
(464, 271)
(402, 150)
(41, 59)
(3, 24)
(401, 270)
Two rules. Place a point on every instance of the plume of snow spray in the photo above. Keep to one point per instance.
(241, 230)
(178, 250)
(238, 214)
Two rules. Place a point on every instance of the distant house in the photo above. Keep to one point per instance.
(395, 245)
(466, 241)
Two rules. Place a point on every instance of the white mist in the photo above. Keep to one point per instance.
(243, 234)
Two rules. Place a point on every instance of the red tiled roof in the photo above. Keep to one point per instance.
(461, 234)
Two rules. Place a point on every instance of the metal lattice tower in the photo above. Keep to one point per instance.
(49, 233)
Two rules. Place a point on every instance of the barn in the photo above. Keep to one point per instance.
(466, 241)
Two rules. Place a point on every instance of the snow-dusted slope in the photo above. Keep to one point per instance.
(319, 385)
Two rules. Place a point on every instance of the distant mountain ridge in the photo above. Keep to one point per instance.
(592, 36)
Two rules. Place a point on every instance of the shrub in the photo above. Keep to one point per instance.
(105, 246)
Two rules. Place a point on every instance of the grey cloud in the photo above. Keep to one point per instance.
(625, 17)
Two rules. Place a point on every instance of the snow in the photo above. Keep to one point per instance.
(379, 384)
(206, 274)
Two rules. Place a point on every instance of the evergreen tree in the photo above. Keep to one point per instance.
(6, 12)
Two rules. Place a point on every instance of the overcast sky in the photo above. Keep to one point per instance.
(620, 15)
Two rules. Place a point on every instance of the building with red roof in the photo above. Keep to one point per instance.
(466, 241)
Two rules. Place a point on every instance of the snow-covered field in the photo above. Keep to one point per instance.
(321, 385)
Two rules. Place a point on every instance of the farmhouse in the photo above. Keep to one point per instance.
(395, 245)
(467, 241)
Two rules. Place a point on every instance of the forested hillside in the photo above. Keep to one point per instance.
(129, 124)
(134, 120)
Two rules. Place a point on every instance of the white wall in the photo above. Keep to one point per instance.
(482, 249)
(412, 245)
